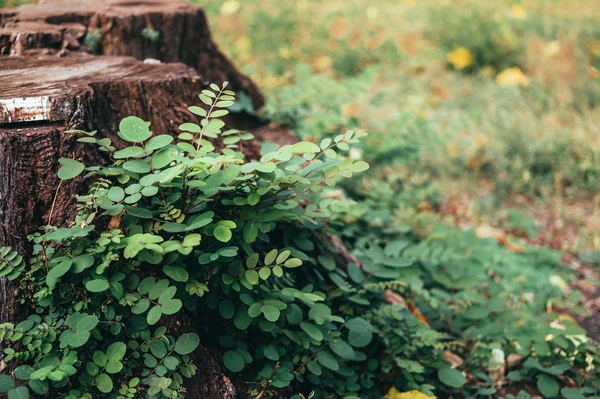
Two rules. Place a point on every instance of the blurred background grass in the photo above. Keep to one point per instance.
(496, 103)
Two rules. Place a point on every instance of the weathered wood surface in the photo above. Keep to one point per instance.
(48, 84)
(61, 26)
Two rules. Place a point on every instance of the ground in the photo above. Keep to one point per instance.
(494, 104)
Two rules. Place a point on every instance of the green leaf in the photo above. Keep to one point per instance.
(104, 383)
(359, 166)
(154, 315)
(250, 232)
(304, 147)
(476, 313)
(116, 351)
(547, 385)
(187, 343)
(222, 233)
(360, 338)
(97, 285)
(270, 312)
(87, 323)
(342, 349)
(282, 257)
(271, 353)
(176, 273)
(328, 360)
(113, 367)
(264, 273)
(226, 309)
(116, 194)
(242, 319)
(230, 174)
(141, 306)
(129, 152)
(252, 276)
(38, 386)
(134, 130)
(100, 358)
(219, 113)
(137, 166)
(6, 383)
(451, 377)
(252, 260)
(138, 212)
(572, 393)
(234, 361)
(171, 306)
(267, 167)
(158, 142)
(253, 199)
(270, 257)
(293, 262)
(164, 157)
(70, 169)
(23, 372)
(75, 339)
(312, 331)
(60, 269)
(19, 393)
(190, 127)
(319, 312)
(197, 110)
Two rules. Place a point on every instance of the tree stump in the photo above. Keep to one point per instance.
(50, 83)
(116, 28)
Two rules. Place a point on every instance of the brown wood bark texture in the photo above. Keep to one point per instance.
(184, 35)
(48, 84)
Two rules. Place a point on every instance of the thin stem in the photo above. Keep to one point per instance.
(269, 381)
(54, 203)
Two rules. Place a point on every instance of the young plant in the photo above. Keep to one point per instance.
(176, 229)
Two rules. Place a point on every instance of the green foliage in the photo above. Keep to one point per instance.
(150, 34)
(12, 264)
(192, 230)
(92, 40)
(195, 232)
(493, 40)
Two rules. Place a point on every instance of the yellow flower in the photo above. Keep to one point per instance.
(394, 394)
(323, 62)
(460, 58)
(518, 11)
(285, 52)
(512, 77)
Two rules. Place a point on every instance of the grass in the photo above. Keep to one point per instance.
(327, 66)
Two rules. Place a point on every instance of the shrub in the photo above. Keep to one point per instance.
(173, 228)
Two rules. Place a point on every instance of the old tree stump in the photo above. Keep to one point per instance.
(85, 65)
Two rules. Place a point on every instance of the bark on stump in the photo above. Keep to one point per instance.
(116, 28)
(48, 84)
